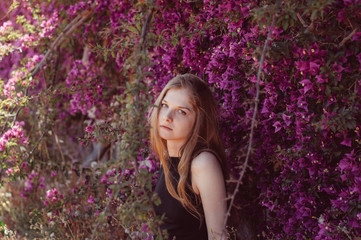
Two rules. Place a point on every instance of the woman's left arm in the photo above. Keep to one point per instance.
(208, 181)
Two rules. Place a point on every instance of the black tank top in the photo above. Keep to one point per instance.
(178, 222)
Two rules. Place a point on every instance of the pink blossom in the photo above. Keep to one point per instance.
(287, 119)
(53, 174)
(346, 141)
(306, 84)
(52, 194)
(89, 128)
(145, 228)
(91, 199)
(277, 126)
(359, 60)
(24, 165)
(104, 179)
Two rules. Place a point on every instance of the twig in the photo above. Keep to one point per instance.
(16, 115)
(58, 145)
(301, 20)
(347, 38)
(66, 32)
(143, 38)
(55, 70)
(256, 101)
(309, 28)
(145, 30)
(37, 144)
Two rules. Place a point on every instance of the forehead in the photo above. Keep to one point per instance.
(179, 97)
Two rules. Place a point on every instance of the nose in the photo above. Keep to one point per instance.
(167, 115)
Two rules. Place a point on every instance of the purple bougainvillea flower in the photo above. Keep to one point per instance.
(287, 119)
(346, 140)
(277, 126)
(321, 79)
(89, 128)
(306, 84)
(331, 100)
(359, 60)
(344, 165)
(356, 36)
(314, 68)
(91, 199)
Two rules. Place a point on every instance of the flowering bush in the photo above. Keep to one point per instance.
(78, 79)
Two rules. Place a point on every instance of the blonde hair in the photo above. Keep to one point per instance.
(204, 137)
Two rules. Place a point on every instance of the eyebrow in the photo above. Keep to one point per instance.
(178, 106)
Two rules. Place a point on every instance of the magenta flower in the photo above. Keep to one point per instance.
(91, 199)
(89, 128)
(52, 194)
(46, 203)
(346, 141)
(287, 119)
(53, 174)
(145, 228)
(306, 84)
(277, 126)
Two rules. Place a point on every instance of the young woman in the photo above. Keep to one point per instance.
(185, 137)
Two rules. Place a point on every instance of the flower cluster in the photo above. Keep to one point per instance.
(15, 134)
(32, 183)
(86, 89)
(304, 173)
(52, 197)
(304, 116)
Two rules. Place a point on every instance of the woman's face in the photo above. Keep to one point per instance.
(176, 116)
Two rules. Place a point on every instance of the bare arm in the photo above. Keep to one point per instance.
(208, 181)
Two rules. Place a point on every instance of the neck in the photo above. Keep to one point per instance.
(173, 148)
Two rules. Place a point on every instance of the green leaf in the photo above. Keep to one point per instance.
(133, 30)
(285, 25)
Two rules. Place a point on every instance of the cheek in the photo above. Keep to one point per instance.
(160, 115)
(189, 125)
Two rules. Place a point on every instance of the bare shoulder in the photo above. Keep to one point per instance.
(206, 174)
(205, 160)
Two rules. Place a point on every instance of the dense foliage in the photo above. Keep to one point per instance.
(77, 80)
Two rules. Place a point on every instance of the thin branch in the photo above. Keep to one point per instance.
(55, 70)
(37, 144)
(65, 33)
(309, 28)
(301, 20)
(16, 115)
(253, 123)
(347, 38)
(144, 33)
(58, 145)
(145, 30)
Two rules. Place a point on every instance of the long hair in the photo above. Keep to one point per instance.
(205, 136)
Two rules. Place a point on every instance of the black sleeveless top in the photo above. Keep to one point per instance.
(178, 222)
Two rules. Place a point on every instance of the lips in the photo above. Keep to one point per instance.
(166, 127)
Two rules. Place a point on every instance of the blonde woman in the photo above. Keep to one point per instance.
(185, 137)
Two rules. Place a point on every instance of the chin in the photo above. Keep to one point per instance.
(164, 136)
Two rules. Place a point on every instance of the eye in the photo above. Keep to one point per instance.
(182, 112)
(163, 105)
